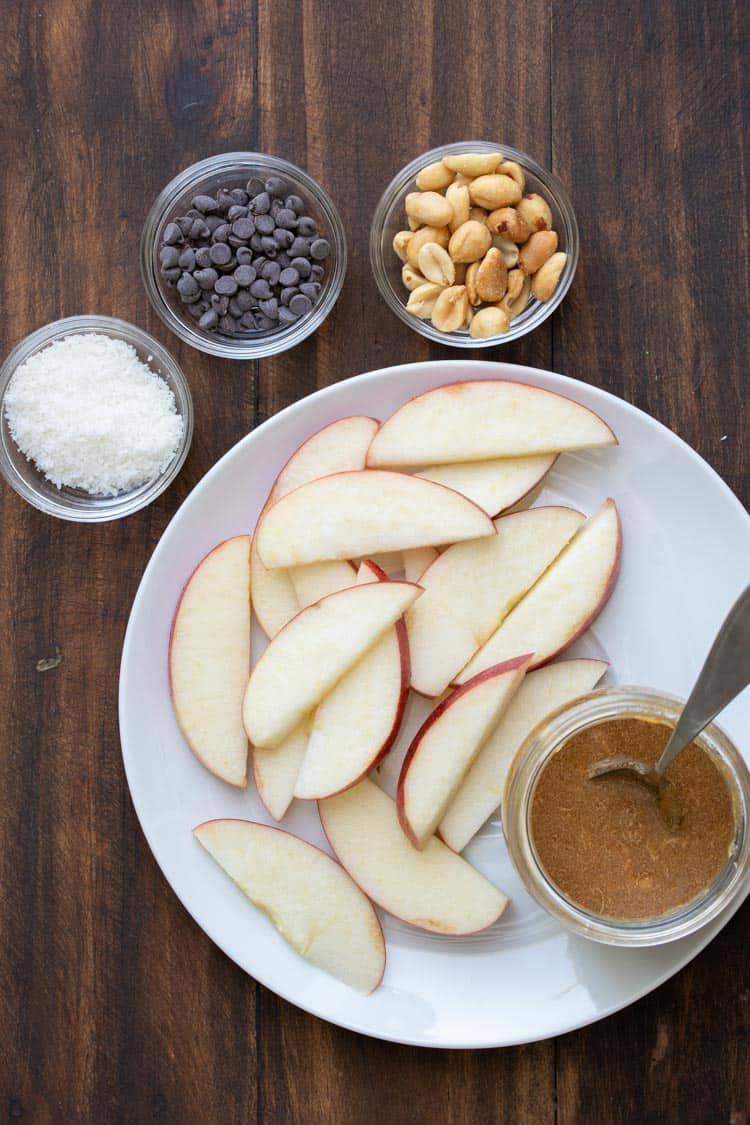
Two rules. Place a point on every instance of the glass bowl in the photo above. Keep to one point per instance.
(73, 503)
(545, 741)
(234, 169)
(390, 217)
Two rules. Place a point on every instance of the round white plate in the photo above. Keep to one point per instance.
(686, 545)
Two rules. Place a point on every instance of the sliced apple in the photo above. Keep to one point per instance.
(471, 587)
(355, 725)
(433, 889)
(484, 420)
(493, 485)
(416, 560)
(312, 652)
(209, 658)
(481, 790)
(318, 580)
(448, 742)
(351, 515)
(339, 447)
(564, 601)
(276, 771)
(309, 897)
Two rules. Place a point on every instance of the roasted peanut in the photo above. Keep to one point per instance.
(420, 237)
(535, 210)
(492, 276)
(460, 201)
(459, 269)
(469, 242)
(400, 242)
(436, 264)
(413, 224)
(537, 250)
(411, 278)
(514, 305)
(507, 222)
(451, 309)
(516, 280)
(428, 207)
(508, 249)
(545, 281)
(478, 214)
(473, 164)
(422, 300)
(471, 283)
(435, 177)
(494, 191)
(460, 178)
(514, 170)
(490, 321)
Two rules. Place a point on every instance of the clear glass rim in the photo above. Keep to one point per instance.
(462, 339)
(108, 508)
(545, 740)
(189, 180)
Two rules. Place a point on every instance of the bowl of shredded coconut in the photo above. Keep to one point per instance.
(96, 418)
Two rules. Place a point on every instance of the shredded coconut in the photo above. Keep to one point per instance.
(91, 415)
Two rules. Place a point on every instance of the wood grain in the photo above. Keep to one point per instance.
(115, 1006)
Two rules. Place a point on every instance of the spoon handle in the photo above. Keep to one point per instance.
(725, 673)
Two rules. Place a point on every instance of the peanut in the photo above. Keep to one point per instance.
(516, 279)
(460, 201)
(472, 164)
(536, 211)
(451, 309)
(469, 242)
(537, 250)
(545, 280)
(490, 321)
(494, 191)
(429, 207)
(471, 283)
(514, 305)
(492, 276)
(507, 222)
(460, 178)
(411, 278)
(508, 249)
(434, 177)
(400, 242)
(412, 223)
(478, 214)
(422, 300)
(420, 237)
(514, 170)
(460, 270)
(436, 265)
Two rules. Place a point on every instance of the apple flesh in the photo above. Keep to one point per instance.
(356, 723)
(446, 745)
(471, 587)
(416, 560)
(565, 600)
(209, 659)
(310, 899)
(318, 580)
(351, 515)
(481, 790)
(433, 889)
(484, 420)
(276, 771)
(310, 654)
(496, 485)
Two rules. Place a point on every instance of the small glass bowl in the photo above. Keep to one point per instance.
(234, 169)
(390, 217)
(73, 503)
(545, 741)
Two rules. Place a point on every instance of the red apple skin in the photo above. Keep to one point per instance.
(195, 569)
(333, 859)
(457, 693)
(524, 496)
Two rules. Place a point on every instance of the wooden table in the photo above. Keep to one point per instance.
(114, 1006)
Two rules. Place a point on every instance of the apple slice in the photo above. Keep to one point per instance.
(484, 420)
(481, 790)
(355, 725)
(209, 658)
(493, 485)
(472, 586)
(564, 601)
(433, 889)
(275, 771)
(318, 580)
(416, 560)
(339, 447)
(350, 515)
(312, 652)
(309, 897)
(448, 742)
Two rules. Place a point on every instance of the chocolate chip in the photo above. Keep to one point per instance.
(307, 226)
(196, 310)
(225, 199)
(206, 278)
(264, 322)
(203, 257)
(239, 196)
(213, 222)
(283, 259)
(269, 247)
(169, 256)
(283, 238)
(257, 241)
(205, 203)
(172, 234)
(244, 256)
(271, 271)
(227, 325)
(288, 293)
(235, 309)
(244, 228)
(286, 316)
(300, 247)
(184, 223)
(310, 289)
(221, 304)
(199, 230)
(261, 204)
(261, 289)
(259, 262)
(294, 203)
(221, 234)
(317, 273)
(289, 276)
(276, 186)
(245, 300)
(236, 212)
(320, 249)
(270, 308)
(300, 305)
(244, 275)
(226, 286)
(255, 187)
(248, 322)
(188, 288)
(172, 275)
(187, 259)
(264, 224)
(220, 254)
(302, 266)
(209, 320)
(286, 219)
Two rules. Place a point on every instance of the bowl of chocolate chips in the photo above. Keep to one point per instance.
(243, 255)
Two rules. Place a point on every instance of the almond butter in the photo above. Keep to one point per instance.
(545, 281)
(434, 177)
(507, 222)
(436, 264)
(423, 299)
(490, 321)
(460, 201)
(428, 207)
(537, 250)
(494, 191)
(440, 235)
(400, 242)
(472, 164)
(492, 276)
(535, 209)
(469, 242)
(451, 309)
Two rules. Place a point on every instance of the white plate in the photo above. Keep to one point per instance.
(686, 545)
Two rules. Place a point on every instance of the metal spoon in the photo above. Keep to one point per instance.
(725, 673)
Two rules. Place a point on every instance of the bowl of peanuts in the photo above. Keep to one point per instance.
(474, 244)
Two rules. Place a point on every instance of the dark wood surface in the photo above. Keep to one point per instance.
(114, 1006)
